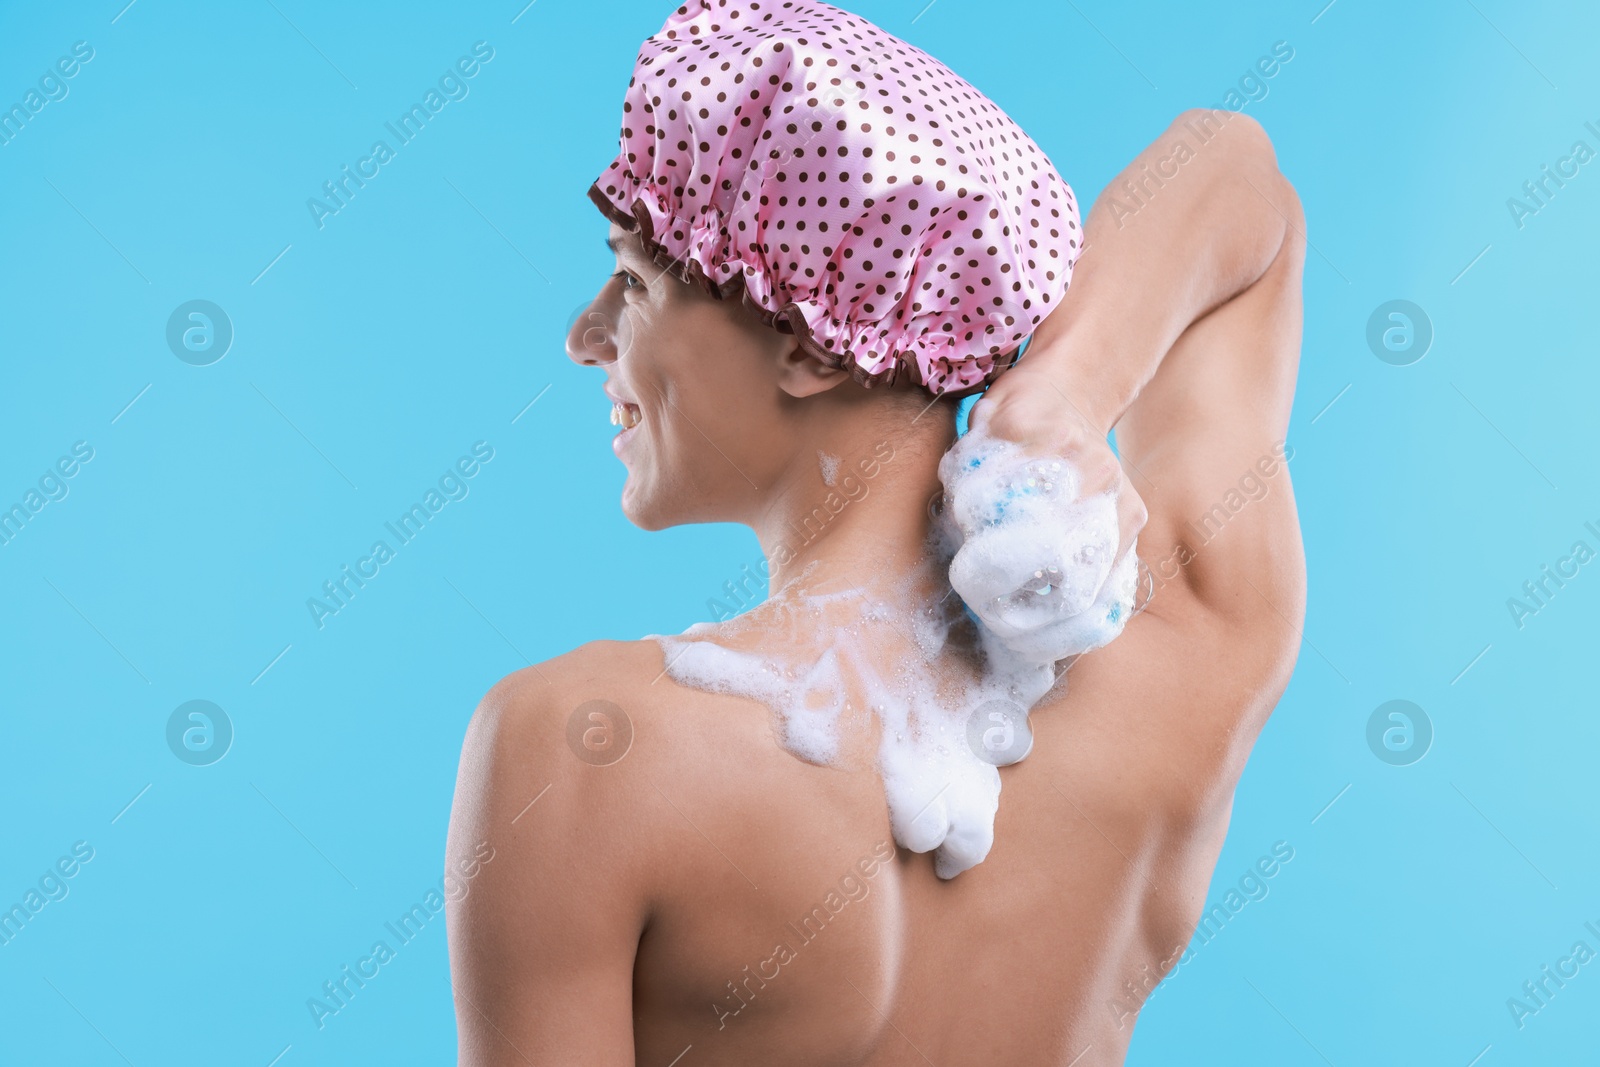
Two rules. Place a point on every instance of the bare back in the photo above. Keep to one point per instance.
(787, 903)
(780, 924)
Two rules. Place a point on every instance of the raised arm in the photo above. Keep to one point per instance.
(1182, 330)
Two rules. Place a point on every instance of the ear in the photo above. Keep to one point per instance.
(801, 374)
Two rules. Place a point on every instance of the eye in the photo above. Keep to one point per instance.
(629, 278)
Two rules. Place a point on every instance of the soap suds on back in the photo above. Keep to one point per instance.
(949, 681)
(830, 467)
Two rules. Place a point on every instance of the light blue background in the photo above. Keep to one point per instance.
(431, 311)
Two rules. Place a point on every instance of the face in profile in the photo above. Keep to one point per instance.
(711, 402)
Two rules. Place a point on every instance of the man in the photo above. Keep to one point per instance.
(711, 899)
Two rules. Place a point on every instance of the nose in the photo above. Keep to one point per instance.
(591, 340)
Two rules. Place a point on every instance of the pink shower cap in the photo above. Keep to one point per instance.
(856, 191)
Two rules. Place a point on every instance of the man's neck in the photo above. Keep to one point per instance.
(871, 523)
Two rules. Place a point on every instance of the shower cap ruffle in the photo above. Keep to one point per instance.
(856, 192)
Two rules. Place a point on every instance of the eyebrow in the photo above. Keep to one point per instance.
(617, 245)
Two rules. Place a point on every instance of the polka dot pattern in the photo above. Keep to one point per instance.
(856, 191)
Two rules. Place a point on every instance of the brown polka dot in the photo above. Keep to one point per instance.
(708, 215)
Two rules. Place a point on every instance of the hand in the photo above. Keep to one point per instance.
(1030, 408)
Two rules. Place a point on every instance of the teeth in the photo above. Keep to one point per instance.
(625, 415)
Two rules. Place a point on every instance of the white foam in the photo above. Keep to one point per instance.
(948, 689)
(830, 467)
(1034, 558)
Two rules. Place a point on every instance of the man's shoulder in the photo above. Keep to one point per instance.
(615, 668)
(597, 757)
(550, 755)
(581, 704)
(607, 706)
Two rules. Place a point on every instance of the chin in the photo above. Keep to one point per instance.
(654, 507)
(645, 509)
